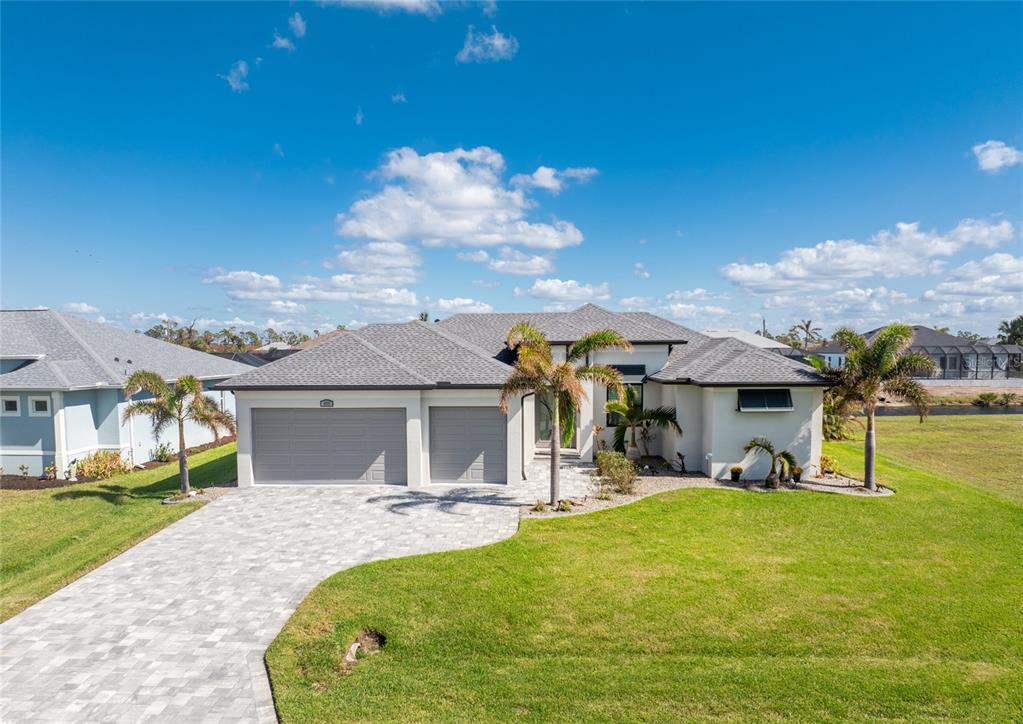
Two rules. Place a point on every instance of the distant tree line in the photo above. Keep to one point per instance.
(227, 339)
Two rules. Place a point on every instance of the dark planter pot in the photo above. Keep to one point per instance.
(735, 477)
(796, 477)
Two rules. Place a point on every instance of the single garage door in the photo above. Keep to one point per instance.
(468, 445)
(329, 446)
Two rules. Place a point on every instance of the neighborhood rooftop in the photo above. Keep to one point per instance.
(61, 352)
(469, 350)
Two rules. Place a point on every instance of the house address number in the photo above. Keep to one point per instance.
(326, 403)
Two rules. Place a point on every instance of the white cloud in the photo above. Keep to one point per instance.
(552, 179)
(206, 323)
(451, 198)
(511, 261)
(463, 304)
(489, 8)
(485, 283)
(379, 263)
(297, 24)
(993, 156)
(697, 311)
(994, 275)
(237, 75)
(634, 304)
(906, 251)
(285, 306)
(487, 48)
(413, 7)
(398, 97)
(149, 317)
(639, 269)
(282, 43)
(567, 290)
(80, 308)
(359, 117)
(243, 280)
(278, 151)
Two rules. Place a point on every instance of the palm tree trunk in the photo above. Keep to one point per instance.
(869, 451)
(182, 459)
(555, 452)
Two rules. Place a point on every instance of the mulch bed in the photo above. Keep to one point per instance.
(28, 482)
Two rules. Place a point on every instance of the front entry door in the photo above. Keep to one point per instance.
(543, 421)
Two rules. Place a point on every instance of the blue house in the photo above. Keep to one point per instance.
(62, 389)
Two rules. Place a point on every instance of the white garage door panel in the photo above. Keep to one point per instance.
(468, 445)
(324, 446)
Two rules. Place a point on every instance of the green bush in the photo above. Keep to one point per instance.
(162, 453)
(1007, 399)
(101, 464)
(617, 471)
(985, 399)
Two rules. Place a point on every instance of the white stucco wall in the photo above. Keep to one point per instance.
(137, 439)
(726, 430)
(417, 420)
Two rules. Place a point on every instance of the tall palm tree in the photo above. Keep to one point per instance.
(536, 371)
(779, 458)
(809, 332)
(881, 367)
(632, 415)
(178, 404)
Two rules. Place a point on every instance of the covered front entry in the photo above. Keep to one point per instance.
(468, 445)
(329, 446)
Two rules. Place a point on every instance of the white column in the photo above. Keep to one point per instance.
(243, 419)
(60, 461)
(584, 424)
(514, 440)
(415, 440)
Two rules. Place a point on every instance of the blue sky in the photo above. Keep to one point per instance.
(855, 164)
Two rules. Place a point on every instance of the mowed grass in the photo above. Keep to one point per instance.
(980, 450)
(693, 605)
(48, 538)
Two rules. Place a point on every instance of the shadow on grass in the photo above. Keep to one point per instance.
(214, 472)
(445, 502)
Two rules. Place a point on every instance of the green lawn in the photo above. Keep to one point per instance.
(980, 450)
(696, 604)
(48, 538)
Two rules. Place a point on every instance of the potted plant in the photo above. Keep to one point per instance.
(797, 473)
(736, 471)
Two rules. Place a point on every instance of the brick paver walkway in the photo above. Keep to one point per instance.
(175, 628)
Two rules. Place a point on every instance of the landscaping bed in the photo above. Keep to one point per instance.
(189, 451)
(30, 482)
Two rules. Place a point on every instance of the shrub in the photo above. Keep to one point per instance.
(101, 464)
(539, 506)
(564, 506)
(829, 464)
(985, 399)
(162, 453)
(1007, 399)
(797, 470)
(617, 471)
(50, 472)
(735, 469)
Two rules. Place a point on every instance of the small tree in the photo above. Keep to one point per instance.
(178, 404)
(536, 371)
(1011, 331)
(631, 415)
(779, 458)
(882, 367)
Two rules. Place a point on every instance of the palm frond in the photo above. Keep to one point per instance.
(660, 417)
(566, 415)
(886, 347)
(617, 407)
(849, 340)
(911, 364)
(188, 385)
(618, 440)
(758, 445)
(601, 339)
(519, 383)
(912, 392)
(524, 334)
(159, 414)
(203, 412)
(151, 382)
(607, 376)
(788, 461)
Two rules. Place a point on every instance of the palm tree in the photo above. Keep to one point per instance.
(783, 458)
(632, 415)
(809, 332)
(536, 371)
(1011, 331)
(881, 367)
(184, 401)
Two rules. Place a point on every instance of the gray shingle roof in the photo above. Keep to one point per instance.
(409, 355)
(729, 361)
(74, 352)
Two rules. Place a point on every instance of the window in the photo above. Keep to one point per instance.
(38, 406)
(11, 407)
(612, 394)
(765, 400)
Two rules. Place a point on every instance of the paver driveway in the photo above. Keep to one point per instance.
(176, 627)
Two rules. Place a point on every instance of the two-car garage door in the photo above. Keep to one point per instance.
(324, 446)
(329, 446)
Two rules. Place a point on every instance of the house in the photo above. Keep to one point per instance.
(751, 338)
(245, 358)
(956, 360)
(417, 403)
(62, 389)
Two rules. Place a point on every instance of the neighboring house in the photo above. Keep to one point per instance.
(62, 389)
(956, 360)
(273, 351)
(245, 358)
(417, 403)
(748, 337)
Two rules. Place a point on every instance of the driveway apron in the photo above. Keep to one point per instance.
(176, 627)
